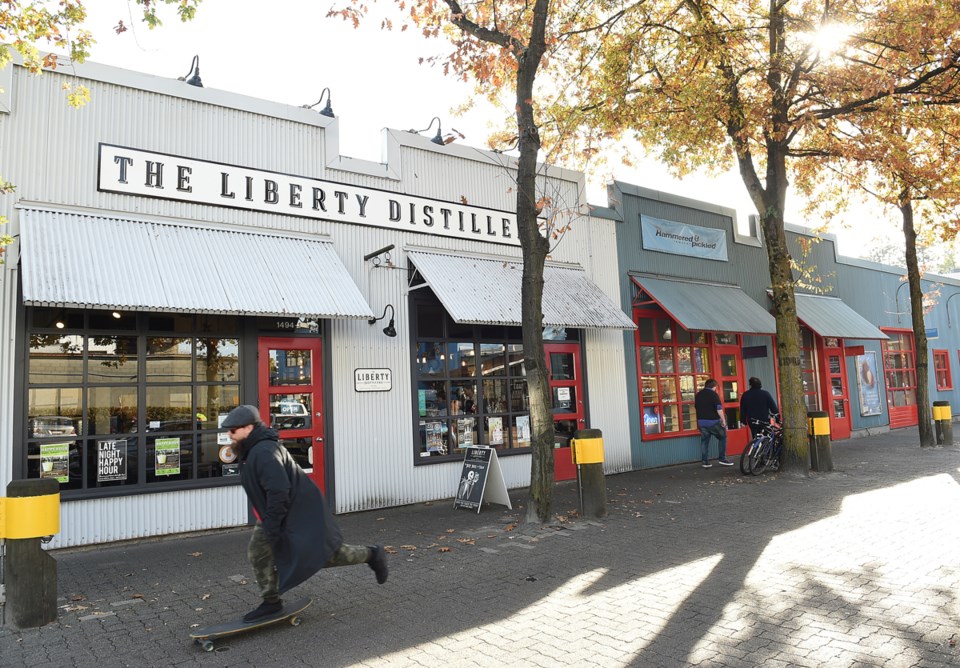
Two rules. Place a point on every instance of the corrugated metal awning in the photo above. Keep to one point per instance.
(72, 259)
(708, 307)
(829, 316)
(487, 291)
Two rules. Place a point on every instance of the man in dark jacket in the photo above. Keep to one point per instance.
(757, 405)
(712, 422)
(296, 534)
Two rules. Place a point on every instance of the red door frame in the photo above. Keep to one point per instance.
(900, 416)
(737, 436)
(315, 433)
(839, 425)
(563, 467)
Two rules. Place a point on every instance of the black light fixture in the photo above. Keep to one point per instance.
(438, 138)
(193, 76)
(327, 110)
(389, 330)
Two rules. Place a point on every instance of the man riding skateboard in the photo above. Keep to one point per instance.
(296, 534)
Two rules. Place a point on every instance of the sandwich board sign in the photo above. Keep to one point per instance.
(481, 480)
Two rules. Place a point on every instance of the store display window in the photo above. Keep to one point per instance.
(124, 401)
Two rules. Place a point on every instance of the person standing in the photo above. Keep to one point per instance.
(757, 406)
(296, 534)
(711, 422)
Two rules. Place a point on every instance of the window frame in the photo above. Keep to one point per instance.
(942, 355)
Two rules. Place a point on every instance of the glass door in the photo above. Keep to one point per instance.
(291, 399)
(566, 396)
(729, 375)
(835, 383)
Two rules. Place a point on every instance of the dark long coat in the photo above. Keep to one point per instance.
(295, 516)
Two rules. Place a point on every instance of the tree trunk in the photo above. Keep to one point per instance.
(924, 410)
(793, 411)
(535, 247)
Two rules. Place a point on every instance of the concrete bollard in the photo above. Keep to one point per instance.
(587, 447)
(30, 511)
(818, 433)
(943, 422)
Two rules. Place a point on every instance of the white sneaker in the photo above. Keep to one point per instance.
(724, 462)
(707, 466)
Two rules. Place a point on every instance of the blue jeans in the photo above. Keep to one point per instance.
(705, 434)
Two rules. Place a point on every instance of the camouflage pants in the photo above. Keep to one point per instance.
(260, 555)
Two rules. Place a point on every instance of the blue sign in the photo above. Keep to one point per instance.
(932, 333)
(665, 236)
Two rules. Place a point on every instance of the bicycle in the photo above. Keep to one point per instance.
(748, 450)
(765, 449)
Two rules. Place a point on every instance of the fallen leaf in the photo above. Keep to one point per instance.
(451, 530)
(78, 597)
(467, 541)
(432, 545)
(389, 549)
(510, 527)
(196, 554)
(408, 547)
(444, 549)
(204, 597)
(137, 596)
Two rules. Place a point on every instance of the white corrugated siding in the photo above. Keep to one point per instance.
(151, 266)
(8, 351)
(127, 517)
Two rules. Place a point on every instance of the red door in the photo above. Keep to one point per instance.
(834, 383)
(729, 375)
(291, 398)
(900, 372)
(566, 396)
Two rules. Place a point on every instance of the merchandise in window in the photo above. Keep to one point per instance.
(132, 406)
(941, 368)
(470, 386)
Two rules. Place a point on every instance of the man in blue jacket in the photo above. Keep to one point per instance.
(296, 534)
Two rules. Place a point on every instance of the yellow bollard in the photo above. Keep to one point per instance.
(943, 422)
(587, 445)
(818, 433)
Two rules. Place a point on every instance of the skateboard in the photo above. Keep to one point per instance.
(290, 612)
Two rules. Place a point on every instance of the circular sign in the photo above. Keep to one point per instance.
(227, 455)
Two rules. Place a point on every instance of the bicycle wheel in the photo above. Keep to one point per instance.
(760, 455)
(745, 457)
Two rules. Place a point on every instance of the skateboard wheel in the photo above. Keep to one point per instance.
(207, 645)
(295, 621)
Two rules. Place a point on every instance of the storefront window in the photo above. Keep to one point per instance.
(470, 386)
(899, 368)
(673, 365)
(138, 406)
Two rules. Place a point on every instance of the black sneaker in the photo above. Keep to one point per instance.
(265, 609)
(378, 562)
(724, 462)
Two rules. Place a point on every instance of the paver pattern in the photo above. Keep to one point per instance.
(691, 567)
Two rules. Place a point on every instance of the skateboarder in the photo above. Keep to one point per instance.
(296, 534)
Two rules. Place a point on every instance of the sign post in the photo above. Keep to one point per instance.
(481, 480)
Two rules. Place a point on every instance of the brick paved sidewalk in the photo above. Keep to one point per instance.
(859, 567)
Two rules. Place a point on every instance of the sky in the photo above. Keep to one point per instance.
(288, 51)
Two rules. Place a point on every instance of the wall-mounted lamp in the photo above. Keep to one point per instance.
(193, 76)
(327, 110)
(116, 314)
(389, 330)
(438, 138)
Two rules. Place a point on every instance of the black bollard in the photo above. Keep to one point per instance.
(31, 511)
(943, 422)
(818, 433)
(588, 457)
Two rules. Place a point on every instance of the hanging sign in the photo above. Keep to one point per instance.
(481, 480)
(680, 239)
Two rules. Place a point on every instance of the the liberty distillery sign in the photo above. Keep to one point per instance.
(135, 172)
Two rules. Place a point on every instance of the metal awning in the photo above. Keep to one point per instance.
(829, 316)
(72, 259)
(708, 307)
(486, 291)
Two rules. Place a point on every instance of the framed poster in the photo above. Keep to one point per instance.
(868, 383)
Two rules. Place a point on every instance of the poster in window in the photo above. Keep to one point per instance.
(55, 461)
(434, 431)
(112, 460)
(167, 455)
(465, 432)
(496, 430)
(868, 383)
(523, 430)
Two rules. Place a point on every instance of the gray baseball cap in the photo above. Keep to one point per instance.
(241, 416)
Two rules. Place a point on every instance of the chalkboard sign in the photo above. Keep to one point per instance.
(481, 480)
